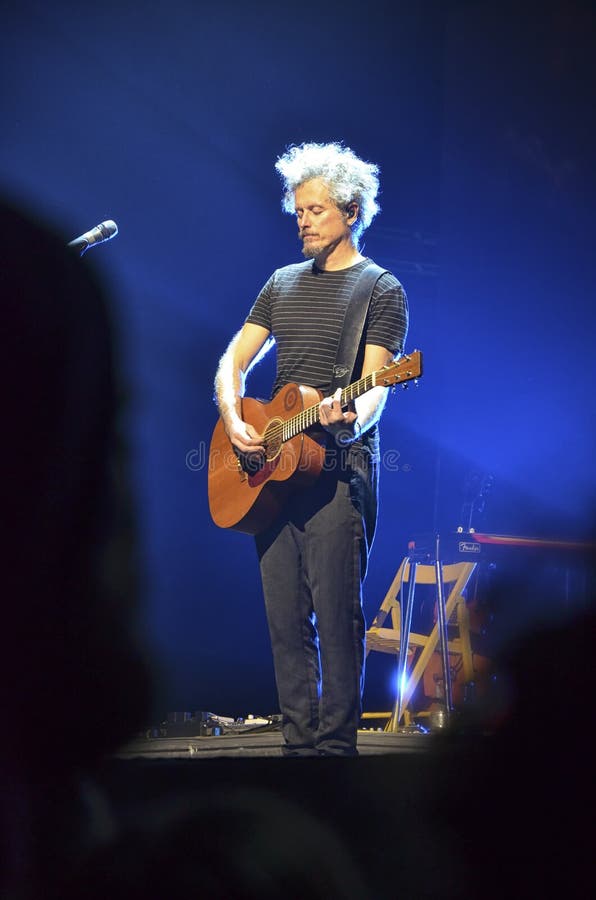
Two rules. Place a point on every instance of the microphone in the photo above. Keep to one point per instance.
(102, 232)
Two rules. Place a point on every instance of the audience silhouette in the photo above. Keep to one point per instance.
(74, 678)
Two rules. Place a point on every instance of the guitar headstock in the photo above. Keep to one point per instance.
(406, 368)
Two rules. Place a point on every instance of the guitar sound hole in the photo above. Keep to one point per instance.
(273, 439)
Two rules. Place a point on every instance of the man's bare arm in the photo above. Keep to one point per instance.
(243, 351)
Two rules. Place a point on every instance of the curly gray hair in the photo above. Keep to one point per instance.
(349, 178)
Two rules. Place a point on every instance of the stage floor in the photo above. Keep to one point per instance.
(267, 744)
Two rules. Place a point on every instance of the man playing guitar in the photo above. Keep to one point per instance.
(313, 555)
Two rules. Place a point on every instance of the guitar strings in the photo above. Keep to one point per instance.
(307, 417)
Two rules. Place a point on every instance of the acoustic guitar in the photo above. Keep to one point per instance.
(246, 493)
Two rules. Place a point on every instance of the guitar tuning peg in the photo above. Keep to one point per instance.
(404, 386)
(415, 382)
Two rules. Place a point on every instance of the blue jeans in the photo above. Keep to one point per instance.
(313, 561)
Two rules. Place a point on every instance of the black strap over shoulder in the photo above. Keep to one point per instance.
(353, 326)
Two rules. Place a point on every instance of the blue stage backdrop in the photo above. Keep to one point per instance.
(168, 118)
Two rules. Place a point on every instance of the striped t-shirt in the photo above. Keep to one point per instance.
(304, 307)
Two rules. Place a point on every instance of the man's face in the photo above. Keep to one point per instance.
(321, 225)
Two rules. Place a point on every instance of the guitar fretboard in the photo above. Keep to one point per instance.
(310, 416)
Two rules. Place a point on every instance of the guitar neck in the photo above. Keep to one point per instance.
(310, 415)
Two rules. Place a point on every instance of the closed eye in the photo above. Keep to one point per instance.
(316, 210)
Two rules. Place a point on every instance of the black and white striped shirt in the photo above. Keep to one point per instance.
(304, 307)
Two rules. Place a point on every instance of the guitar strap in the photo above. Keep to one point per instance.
(353, 326)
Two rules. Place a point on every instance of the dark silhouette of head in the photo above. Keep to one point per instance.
(73, 683)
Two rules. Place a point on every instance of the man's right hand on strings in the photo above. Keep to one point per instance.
(245, 438)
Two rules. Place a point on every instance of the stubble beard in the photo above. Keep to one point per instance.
(310, 251)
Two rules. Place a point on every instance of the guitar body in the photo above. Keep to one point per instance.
(247, 496)
(249, 501)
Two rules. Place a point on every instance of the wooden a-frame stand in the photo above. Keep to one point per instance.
(399, 608)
